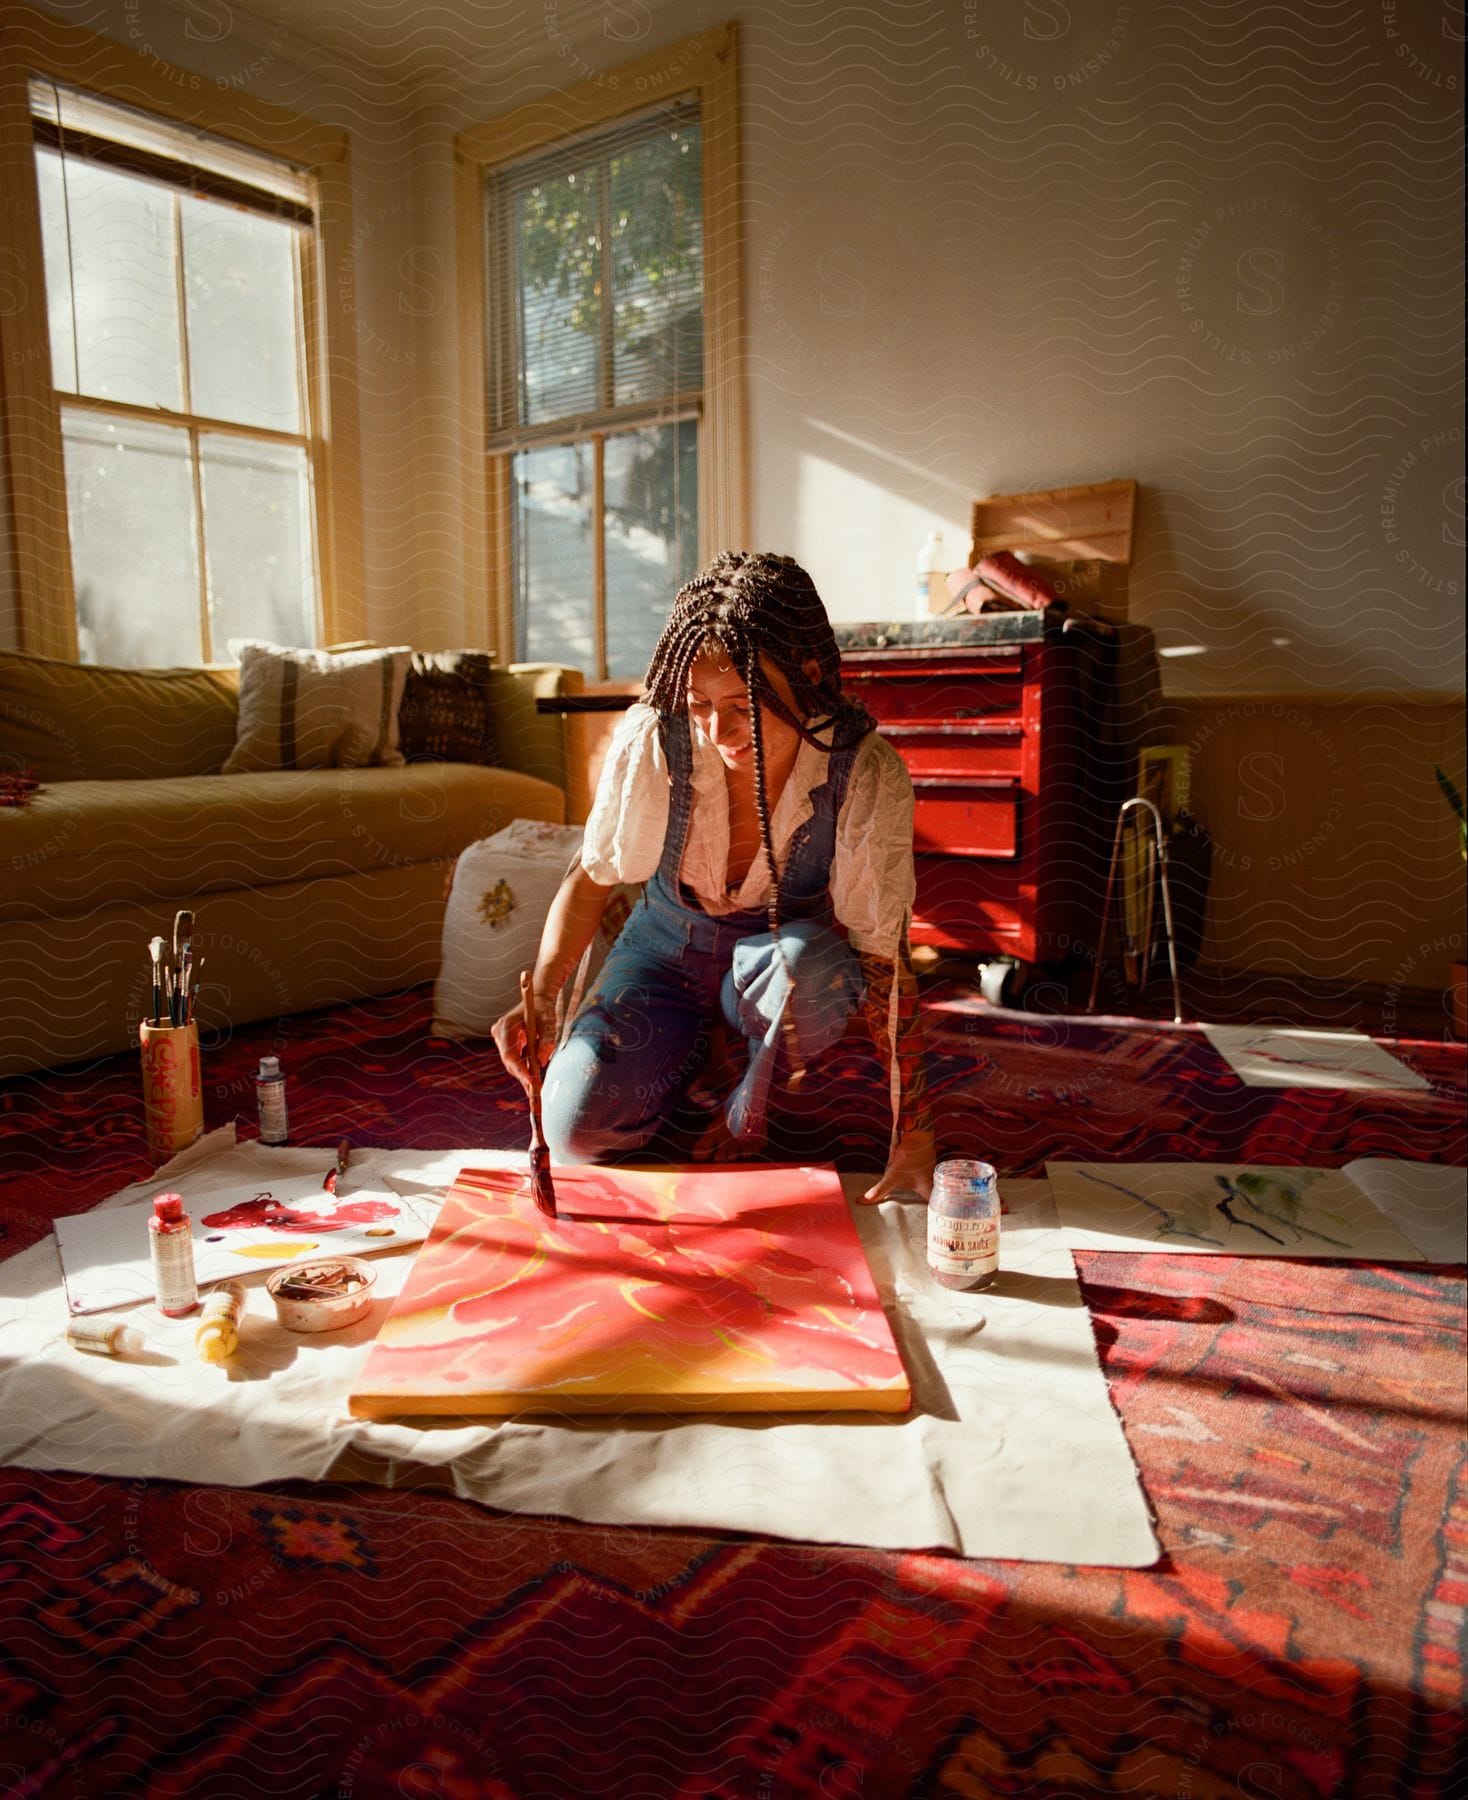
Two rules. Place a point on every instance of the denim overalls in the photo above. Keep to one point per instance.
(639, 1041)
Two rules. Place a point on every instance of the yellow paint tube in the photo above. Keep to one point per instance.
(218, 1330)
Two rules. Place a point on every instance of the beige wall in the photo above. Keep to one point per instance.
(993, 247)
(1335, 853)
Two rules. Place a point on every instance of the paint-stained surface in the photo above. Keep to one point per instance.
(714, 1290)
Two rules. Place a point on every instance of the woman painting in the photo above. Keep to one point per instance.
(762, 811)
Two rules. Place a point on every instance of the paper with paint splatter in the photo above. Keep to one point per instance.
(751, 1294)
(106, 1262)
(1227, 1209)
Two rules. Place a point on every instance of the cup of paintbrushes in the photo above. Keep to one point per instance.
(173, 1091)
(541, 1188)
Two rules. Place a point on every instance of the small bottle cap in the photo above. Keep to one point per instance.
(168, 1207)
(269, 1068)
(127, 1340)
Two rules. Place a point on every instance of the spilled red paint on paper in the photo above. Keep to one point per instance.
(265, 1210)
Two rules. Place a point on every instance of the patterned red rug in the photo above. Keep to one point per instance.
(1298, 1428)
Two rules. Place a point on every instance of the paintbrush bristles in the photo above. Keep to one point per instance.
(176, 977)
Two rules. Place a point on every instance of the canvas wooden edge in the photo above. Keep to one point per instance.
(378, 1405)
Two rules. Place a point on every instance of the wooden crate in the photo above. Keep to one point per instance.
(1079, 538)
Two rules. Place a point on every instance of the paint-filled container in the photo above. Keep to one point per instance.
(963, 1224)
(323, 1294)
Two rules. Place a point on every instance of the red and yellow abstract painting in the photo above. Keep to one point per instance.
(657, 1290)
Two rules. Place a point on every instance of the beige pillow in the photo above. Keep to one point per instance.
(310, 709)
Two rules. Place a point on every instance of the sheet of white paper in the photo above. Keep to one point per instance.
(1222, 1209)
(1010, 1402)
(105, 1255)
(1428, 1202)
(1274, 1056)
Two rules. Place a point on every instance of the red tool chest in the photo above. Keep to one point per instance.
(1002, 724)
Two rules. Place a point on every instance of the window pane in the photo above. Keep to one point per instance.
(553, 555)
(657, 266)
(240, 282)
(120, 234)
(558, 280)
(58, 271)
(133, 552)
(651, 486)
(257, 541)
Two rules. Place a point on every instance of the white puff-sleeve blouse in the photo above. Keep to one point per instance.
(872, 883)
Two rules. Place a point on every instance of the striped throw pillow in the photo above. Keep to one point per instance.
(312, 709)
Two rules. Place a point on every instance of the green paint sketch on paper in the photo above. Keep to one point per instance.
(1282, 1200)
(1273, 1206)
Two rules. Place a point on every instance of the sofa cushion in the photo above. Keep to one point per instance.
(447, 713)
(311, 709)
(85, 844)
(76, 722)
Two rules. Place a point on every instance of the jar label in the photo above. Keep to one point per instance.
(962, 1246)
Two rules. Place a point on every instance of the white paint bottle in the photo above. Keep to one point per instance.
(270, 1097)
(171, 1239)
(103, 1336)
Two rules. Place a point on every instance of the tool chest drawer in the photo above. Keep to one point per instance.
(965, 817)
(956, 751)
(993, 694)
(957, 912)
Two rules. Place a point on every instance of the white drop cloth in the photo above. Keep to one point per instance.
(1012, 1449)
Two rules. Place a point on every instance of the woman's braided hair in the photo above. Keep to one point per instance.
(751, 604)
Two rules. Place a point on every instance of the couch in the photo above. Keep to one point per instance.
(310, 887)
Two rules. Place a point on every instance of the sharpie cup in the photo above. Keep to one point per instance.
(173, 1093)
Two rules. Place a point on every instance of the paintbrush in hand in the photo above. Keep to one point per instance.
(541, 1188)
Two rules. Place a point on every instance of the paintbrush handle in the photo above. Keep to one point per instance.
(540, 1175)
(532, 1034)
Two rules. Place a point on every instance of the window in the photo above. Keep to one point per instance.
(173, 296)
(612, 414)
(596, 278)
(173, 480)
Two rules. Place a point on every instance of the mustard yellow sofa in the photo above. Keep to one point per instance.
(309, 887)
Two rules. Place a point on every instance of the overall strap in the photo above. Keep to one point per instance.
(674, 735)
(806, 871)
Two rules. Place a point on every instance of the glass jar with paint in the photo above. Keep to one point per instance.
(963, 1224)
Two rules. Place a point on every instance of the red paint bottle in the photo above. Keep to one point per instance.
(171, 1239)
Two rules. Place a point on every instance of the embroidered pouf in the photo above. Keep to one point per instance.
(502, 890)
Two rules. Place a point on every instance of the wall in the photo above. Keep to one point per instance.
(1334, 851)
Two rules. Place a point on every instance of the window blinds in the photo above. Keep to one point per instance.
(78, 124)
(596, 282)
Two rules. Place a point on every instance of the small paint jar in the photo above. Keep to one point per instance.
(963, 1225)
(304, 1301)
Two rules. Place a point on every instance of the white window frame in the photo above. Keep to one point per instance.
(706, 66)
(33, 44)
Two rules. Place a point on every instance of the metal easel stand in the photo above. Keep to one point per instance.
(1160, 842)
